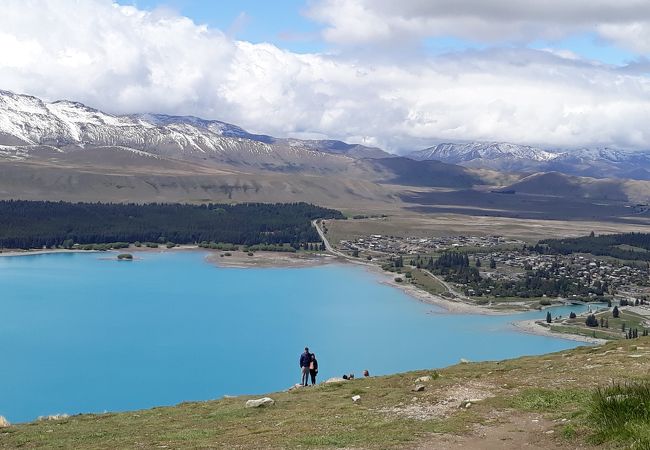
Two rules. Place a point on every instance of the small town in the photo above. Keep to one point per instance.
(502, 267)
(415, 245)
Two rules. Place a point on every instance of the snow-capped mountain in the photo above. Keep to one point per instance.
(71, 126)
(598, 162)
(464, 153)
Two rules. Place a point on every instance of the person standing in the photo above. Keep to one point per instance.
(305, 360)
(313, 368)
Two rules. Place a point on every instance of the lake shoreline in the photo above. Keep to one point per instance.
(532, 327)
(241, 260)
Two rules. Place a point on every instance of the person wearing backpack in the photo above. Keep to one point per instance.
(313, 368)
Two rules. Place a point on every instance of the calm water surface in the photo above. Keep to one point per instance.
(84, 333)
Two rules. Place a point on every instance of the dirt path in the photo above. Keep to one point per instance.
(513, 432)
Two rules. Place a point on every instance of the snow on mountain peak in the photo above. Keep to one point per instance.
(457, 153)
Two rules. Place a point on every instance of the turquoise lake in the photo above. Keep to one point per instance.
(82, 332)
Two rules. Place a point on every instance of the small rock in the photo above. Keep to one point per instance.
(468, 404)
(550, 432)
(264, 401)
(296, 386)
(4, 423)
(464, 361)
(356, 398)
(424, 379)
(418, 388)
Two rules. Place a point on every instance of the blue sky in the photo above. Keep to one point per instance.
(285, 24)
(279, 22)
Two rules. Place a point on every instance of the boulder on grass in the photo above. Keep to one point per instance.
(335, 380)
(4, 423)
(424, 379)
(264, 401)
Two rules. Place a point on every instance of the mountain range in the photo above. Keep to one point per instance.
(501, 156)
(68, 151)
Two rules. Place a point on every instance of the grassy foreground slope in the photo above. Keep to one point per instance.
(547, 401)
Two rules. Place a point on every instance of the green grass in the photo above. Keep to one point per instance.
(621, 413)
(427, 282)
(556, 386)
(549, 400)
(599, 333)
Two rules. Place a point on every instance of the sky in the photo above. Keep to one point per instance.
(399, 75)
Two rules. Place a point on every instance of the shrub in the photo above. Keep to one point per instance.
(125, 257)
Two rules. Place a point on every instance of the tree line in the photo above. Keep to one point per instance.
(602, 245)
(38, 224)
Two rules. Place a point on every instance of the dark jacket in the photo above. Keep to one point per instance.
(305, 358)
(315, 361)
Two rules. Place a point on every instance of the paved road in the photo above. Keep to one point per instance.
(328, 246)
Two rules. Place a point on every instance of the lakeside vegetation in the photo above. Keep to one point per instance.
(551, 399)
(40, 224)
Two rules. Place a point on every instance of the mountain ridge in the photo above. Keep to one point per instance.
(502, 156)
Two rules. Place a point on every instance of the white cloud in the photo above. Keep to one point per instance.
(124, 60)
(359, 22)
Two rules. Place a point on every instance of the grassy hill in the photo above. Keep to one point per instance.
(549, 401)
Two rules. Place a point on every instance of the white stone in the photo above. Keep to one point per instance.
(424, 379)
(264, 401)
(4, 423)
(356, 398)
(335, 380)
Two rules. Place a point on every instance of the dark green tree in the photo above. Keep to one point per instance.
(591, 321)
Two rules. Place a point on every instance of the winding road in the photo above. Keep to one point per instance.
(333, 251)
